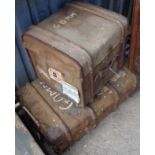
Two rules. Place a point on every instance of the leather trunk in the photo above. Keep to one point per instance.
(119, 88)
(76, 49)
(56, 116)
(60, 120)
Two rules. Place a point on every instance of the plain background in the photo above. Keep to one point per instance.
(7, 75)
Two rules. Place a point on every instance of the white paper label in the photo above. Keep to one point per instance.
(70, 91)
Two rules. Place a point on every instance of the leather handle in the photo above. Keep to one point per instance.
(108, 68)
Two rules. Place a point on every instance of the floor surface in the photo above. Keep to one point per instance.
(117, 134)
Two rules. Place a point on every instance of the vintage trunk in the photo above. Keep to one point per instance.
(76, 49)
(60, 120)
(49, 124)
(121, 86)
(78, 120)
(56, 116)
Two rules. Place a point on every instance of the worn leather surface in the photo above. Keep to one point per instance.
(89, 31)
(61, 121)
(79, 41)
